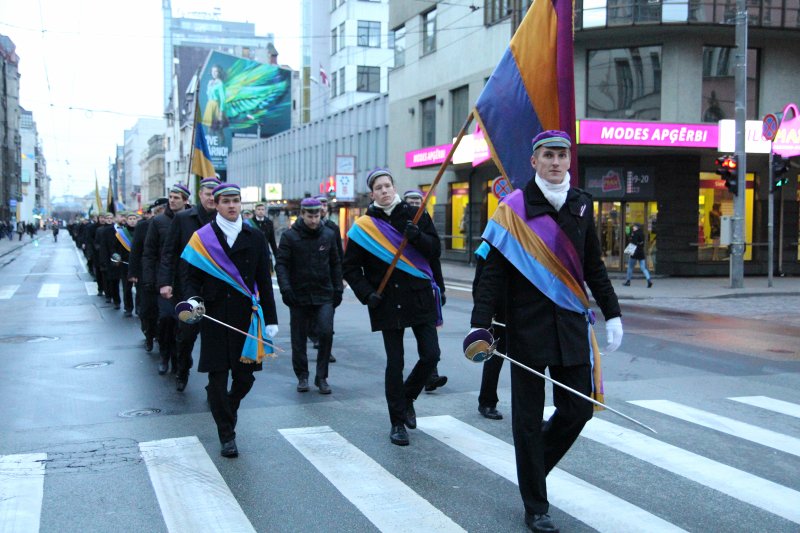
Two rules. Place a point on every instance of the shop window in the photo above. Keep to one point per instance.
(459, 201)
(719, 87)
(624, 83)
(714, 214)
(431, 199)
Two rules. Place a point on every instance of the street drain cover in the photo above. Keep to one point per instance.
(133, 413)
(94, 364)
(20, 339)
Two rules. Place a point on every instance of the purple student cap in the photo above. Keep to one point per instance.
(552, 139)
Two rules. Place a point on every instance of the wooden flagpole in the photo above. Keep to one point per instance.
(194, 127)
(421, 209)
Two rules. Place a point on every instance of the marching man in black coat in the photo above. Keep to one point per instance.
(310, 277)
(223, 351)
(557, 223)
(411, 298)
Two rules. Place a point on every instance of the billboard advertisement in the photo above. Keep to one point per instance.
(242, 97)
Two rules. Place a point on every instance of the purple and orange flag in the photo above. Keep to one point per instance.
(532, 89)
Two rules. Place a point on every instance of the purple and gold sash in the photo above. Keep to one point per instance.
(205, 252)
(543, 253)
(382, 240)
(123, 235)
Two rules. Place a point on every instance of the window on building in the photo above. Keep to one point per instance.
(369, 33)
(495, 11)
(369, 80)
(334, 41)
(459, 108)
(719, 88)
(428, 107)
(429, 32)
(334, 84)
(714, 217)
(341, 80)
(341, 36)
(624, 83)
(399, 42)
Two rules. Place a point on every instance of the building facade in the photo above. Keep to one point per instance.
(10, 140)
(134, 190)
(654, 89)
(152, 166)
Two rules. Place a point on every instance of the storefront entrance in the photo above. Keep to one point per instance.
(614, 220)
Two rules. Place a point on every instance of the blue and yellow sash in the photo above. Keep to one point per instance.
(382, 240)
(123, 235)
(543, 253)
(205, 252)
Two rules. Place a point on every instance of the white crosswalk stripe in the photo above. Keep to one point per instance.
(7, 291)
(91, 287)
(589, 504)
(382, 498)
(191, 492)
(21, 492)
(743, 430)
(770, 404)
(49, 290)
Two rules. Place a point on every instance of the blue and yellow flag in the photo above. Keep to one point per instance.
(531, 90)
(201, 157)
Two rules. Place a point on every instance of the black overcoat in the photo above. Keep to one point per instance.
(407, 300)
(171, 268)
(637, 238)
(268, 229)
(137, 248)
(539, 332)
(308, 264)
(156, 235)
(220, 347)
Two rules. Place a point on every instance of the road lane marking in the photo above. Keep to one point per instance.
(589, 504)
(740, 485)
(385, 500)
(91, 287)
(462, 288)
(21, 492)
(81, 263)
(7, 291)
(191, 492)
(770, 404)
(49, 290)
(765, 437)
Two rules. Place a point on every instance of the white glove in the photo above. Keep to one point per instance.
(272, 330)
(613, 334)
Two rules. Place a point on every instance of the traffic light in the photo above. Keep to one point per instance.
(727, 167)
(780, 166)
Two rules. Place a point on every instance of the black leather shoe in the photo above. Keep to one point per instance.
(163, 365)
(302, 385)
(148, 345)
(627, 283)
(490, 412)
(128, 313)
(649, 283)
(540, 523)
(180, 384)
(435, 382)
(229, 449)
(324, 388)
(411, 415)
(332, 359)
(399, 435)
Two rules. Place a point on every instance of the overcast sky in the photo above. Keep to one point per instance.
(90, 68)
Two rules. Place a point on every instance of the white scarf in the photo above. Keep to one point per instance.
(230, 229)
(389, 208)
(555, 193)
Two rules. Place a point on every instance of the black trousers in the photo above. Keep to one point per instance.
(99, 277)
(127, 294)
(224, 404)
(186, 337)
(148, 311)
(302, 318)
(490, 375)
(539, 447)
(112, 288)
(398, 392)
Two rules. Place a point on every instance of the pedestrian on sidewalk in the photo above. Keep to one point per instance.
(638, 256)
(410, 298)
(54, 228)
(309, 272)
(544, 247)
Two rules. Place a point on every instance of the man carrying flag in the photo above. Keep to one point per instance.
(543, 247)
(229, 270)
(412, 298)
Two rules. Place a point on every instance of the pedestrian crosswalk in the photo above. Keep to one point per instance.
(193, 495)
(47, 290)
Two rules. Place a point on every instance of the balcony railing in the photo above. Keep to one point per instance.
(592, 14)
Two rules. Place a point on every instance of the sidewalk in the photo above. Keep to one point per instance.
(699, 295)
(6, 246)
